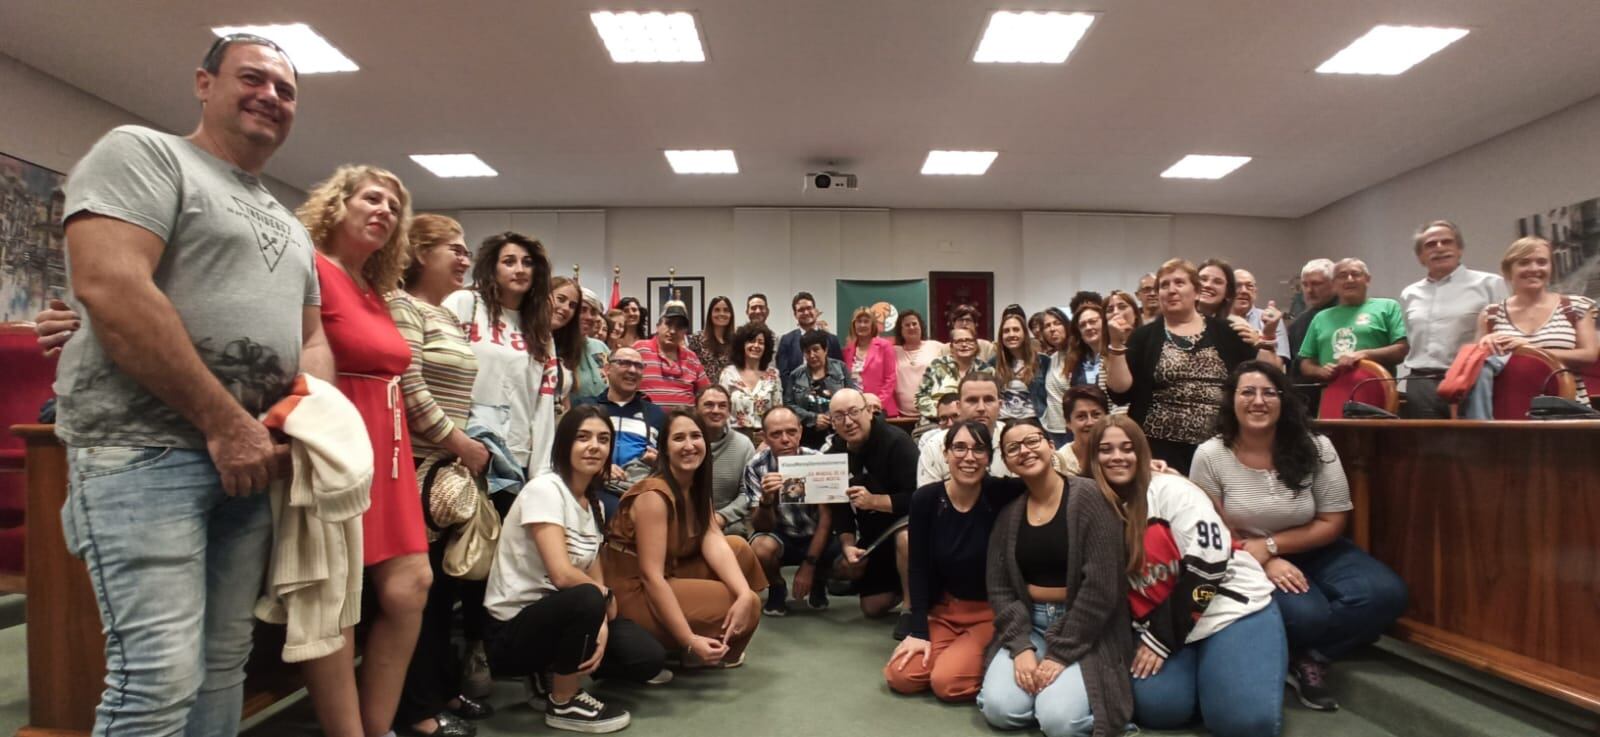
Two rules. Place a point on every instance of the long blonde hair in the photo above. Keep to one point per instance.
(324, 209)
(1132, 503)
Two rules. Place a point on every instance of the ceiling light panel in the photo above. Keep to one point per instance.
(718, 161)
(1204, 166)
(1031, 37)
(649, 37)
(308, 50)
(1391, 50)
(451, 166)
(958, 163)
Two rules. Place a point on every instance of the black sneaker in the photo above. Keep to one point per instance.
(584, 713)
(902, 628)
(818, 600)
(1308, 678)
(777, 604)
(538, 691)
(841, 587)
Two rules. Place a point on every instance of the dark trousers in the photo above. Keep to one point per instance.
(1177, 455)
(473, 615)
(1422, 397)
(557, 633)
(1353, 599)
(434, 676)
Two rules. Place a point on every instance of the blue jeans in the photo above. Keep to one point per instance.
(1062, 708)
(1353, 599)
(1234, 678)
(176, 566)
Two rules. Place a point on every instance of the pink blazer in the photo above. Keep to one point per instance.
(877, 375)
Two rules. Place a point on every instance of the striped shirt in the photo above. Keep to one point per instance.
(793, 520)
(438, 384)
(670, 384)
(1559, 332)
(1257, 502)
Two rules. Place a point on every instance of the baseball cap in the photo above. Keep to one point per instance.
(674, 308)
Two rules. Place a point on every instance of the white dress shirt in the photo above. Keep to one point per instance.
(1442, 314)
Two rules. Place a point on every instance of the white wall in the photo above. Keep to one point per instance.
(1038, 258)
(51, 123)
(1483, 189)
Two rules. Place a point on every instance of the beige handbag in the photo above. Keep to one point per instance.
(470, 550)
(449, 493)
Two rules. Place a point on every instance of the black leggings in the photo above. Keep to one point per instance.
(434, 676)
(556, 634)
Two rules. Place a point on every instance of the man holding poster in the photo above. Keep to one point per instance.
(787, 534)
(883, 468)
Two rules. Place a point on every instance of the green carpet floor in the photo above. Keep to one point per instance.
(820, 673)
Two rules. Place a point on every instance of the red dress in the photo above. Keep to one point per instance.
(370, 355)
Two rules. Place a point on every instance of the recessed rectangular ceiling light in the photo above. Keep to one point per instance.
(310, 52)
(454, 165)
(1391, 50)
(649, 37)
(1201, 166)
(719, 161)
(1031, 37)
(961, 163)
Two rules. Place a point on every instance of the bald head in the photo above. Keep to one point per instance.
(852, 420)
(1244, 297)
(623, 373)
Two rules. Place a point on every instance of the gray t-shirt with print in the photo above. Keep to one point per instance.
(237, 266)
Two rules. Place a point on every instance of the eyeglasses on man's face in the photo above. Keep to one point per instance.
(853, 414)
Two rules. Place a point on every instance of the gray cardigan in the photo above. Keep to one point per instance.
(1097, 630)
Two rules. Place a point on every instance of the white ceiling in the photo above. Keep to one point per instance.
(872, 84)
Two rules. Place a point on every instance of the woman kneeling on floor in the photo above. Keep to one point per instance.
(951, 622)
(553, 618)
(676, 574)
(1056, 583)
(1210, 638)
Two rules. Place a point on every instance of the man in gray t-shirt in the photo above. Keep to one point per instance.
(200, 305)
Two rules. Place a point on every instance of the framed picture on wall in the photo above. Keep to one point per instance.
(949, 289)
(33, 267)
(690, 290)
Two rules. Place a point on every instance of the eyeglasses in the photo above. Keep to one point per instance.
(852, 414)
(964, 341)
(628, 364)
(1267, 394)
(948, 420)
(1032, 442)
(962, 449)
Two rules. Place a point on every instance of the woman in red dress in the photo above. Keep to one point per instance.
(358, 219)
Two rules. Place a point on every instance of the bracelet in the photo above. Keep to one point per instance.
(1116, 350)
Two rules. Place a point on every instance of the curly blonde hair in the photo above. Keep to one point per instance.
(324, 209)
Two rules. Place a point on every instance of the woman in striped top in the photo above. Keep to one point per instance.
(1561, 325)
(437, 387)
(1283, 494)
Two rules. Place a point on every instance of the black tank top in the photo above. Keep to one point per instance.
(1042, 550)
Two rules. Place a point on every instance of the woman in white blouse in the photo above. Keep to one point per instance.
(751, 379)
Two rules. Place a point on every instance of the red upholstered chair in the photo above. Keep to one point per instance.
(1380, 392)
(1527, 375)
(28, 378)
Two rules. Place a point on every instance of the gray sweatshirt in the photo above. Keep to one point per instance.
(729, 456)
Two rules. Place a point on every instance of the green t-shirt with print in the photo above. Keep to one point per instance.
(1343, 329)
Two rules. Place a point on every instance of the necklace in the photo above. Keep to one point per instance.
(1184, 342)
(1043, 517)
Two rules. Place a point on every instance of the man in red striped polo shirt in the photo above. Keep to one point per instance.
(672, 372)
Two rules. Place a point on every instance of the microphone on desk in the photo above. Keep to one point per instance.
(1354, 410)
(1547, 407)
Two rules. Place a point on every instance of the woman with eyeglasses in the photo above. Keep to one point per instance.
(1282, 490)
(944, 375)
(1210, 639)
(951, 621)
(673, 571)
(1055, 573)
(1171, 370)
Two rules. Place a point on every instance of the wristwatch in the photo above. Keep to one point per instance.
(1272, 545)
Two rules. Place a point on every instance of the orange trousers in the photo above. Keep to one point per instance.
(958, 632)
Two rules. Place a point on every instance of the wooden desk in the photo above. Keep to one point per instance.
(1495, 527)
(66, 650)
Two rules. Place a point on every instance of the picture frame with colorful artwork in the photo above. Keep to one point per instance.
(690, 290)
